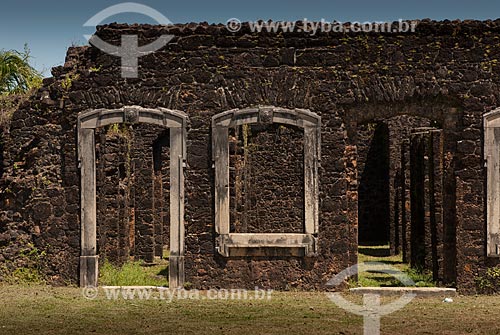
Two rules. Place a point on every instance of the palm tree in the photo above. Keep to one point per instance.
(16, 74)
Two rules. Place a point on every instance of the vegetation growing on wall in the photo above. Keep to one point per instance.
(29, 272)
(489, 282)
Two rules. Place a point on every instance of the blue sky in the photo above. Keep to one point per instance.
(49, 27)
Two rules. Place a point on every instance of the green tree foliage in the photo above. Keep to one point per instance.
(16, 74)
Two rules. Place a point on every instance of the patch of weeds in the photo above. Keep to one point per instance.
(95, 69)
(29, 274)
(67, 83)
(132, 274)
(489, 282)
(118, 129)
(114, 128)
(26, 276)
(68, 80)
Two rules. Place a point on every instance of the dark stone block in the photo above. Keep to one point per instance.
(42, 211)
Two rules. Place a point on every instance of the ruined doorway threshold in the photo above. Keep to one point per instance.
(419, 291)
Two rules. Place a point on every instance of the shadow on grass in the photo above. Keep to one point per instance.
(163, 272)
(374, 252)
(384, 281)
(388, 261)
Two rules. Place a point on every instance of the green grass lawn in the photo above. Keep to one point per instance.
(48, 310)
(381, 254)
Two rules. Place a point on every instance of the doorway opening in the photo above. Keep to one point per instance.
(400, 197)
(129, 185)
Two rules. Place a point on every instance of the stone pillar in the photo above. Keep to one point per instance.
(176, 259)
(88, 256)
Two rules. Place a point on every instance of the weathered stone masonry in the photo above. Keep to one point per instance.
(425, 93)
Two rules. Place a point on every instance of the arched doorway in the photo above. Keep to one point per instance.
(175, 122)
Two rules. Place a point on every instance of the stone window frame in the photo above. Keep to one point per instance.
(491, 125)
(88, 121)
(229, 244)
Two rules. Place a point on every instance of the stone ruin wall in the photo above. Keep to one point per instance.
(446, 72)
